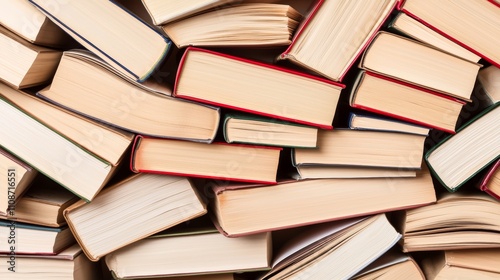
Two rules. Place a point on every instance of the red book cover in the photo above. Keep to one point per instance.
(309, 18)
(389, 114)
(401, 7)
(260, 65)
(486, 181)
(244, 148)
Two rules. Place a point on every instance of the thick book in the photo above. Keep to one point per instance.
(17, 177)
(489, 83)
(366, 121)
(490, 183)
(50, 151)
(164, 11)
(107, 142)
(314, 46)
(462, 264)
(28, 239)
(43, 204)
(246, 24)
(235, 162)
(32, 25)
(459, 157)
(413, 28)
(194, 252)
(68, 264)
(118, 37)
(334, 250)
(130, 210)
(392, 265)
(471, 24)
(256, 87)
(86, 85)
(419, 64)
(253, 129)
(348, 147)
(242, 209)
(393, 98)
(457, 221)
(23, 64)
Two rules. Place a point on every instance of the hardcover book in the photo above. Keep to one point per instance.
(119, 38)
(255, 87)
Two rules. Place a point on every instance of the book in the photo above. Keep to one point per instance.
(43, 204)
(32, 25)
(255, 87)
(392, 98)
(320, 171)
(69, 264)
(189, 253)
(253, 129)
(489, 82)
(380, 123)
(392, 265)
(103, 27)
(247, 24)
(162, 11)
(456, 221)
(52, 154)
(28, 239)
(411, 27)
(471, 24)
(325, 252)
(106, 142)
(471, 264)
(103, 95)
(457, 158)
(17, 176)
(395, 56)
(235, 162)
(130, 210)
(242, 209)
(491, 181)
(312, 47)
(24, 64)
(347, 147)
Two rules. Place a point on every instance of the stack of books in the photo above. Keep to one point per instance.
(253, 139)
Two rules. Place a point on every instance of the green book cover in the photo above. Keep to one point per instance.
(450, 138)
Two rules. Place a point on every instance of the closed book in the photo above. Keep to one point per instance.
(419, 64)
(490, 183)
(17, 176)
(246, 85)
(456, 221)
(23, 64)
(42, 204)
(367, 121)
(312, 46)
(242, 209)
(393, 98)
(130, 210)
(471, 24)
(457, 158)
(88, 86)
(50, 151)
(32, 25)
(192, 252)
(118, 37)
(68, 264)
(253, 129)
(246, 24)
(23, 238)
(234, 162)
